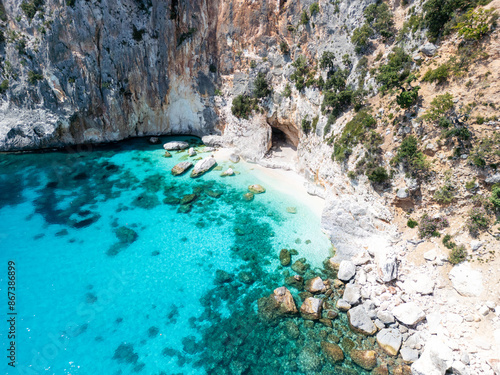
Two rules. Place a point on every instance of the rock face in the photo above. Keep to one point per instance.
(466, 281)
(436, 359)
(364, 358)
(493, 179)
(181, 167)
(347, 270)
(315, 285)
(332, 352)
(408, 313)
(175, 145)
(389, 340)
(203, 166)
(359, 321)
(311, 308)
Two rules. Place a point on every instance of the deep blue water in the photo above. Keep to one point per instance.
(114, 276)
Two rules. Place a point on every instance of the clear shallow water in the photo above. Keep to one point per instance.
(112, 280)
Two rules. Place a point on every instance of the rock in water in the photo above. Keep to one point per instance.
(248, 197)
(332, 352)
(154, 140)
(180, 168)
(359, 321)
(227, 172)
(286, 304)
(291, 210)
(364, 358)
(408, 313)
(175, 145)
(347, 270)
(191, 152)
(315, 285)
(390, 340)
(167, 154)
(234, 158)
(256, 189)
(285, 257)
(203, 166)
(311, 308)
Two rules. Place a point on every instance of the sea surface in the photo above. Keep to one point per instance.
(115, 276)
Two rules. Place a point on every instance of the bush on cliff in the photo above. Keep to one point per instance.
(243, 105)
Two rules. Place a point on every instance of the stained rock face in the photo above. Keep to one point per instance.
(311, 308)
(203, 166)
(359, 321)
(332, 352)
(181, 167)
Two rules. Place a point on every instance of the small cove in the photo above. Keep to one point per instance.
(115, 275)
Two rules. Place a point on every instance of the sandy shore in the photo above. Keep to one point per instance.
(288, 182)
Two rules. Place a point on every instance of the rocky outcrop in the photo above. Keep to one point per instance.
(203, 166)
(311, 308)
(181, 167)
(175, 145)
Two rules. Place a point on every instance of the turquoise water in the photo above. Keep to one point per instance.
(114, 276)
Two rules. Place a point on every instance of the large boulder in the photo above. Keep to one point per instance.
(389, 339)
(352, 294)
(332, 352)
(436, 359)
(311, 308)
(181, 167)
(364, 358)
(203, 166)
(315, 285)
(360, 322)
(256, 189)
(466, 281)
(408, 313)
(284, 299)
(493, 179)
(175, 145)
(428, 49)
(347, 270)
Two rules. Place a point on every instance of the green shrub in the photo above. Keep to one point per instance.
(409, 154)
(440, 74)
(429, 227)
(185, 36)
(448, 243)
(440, 105)
(306, 125)
(314, 9)
(4, 86)
(380, 19)
(212, 68)
(396, 71)
(379, 175)
(285, 50)
(445, 194)
(261, 89)
(470, 184)
(457, 255)
(31, 7)
(361, 37)
(411, 223)
(495, 197)
(34, 77)
(3, 14)
(243, 105)
(287, 92)
(315, 123)
(352, 134)
(304, 18)
(303, 76)
(327, 60)
(70, 3)
(408, 98)
(253, 64)
(478, 220)
(476, 23)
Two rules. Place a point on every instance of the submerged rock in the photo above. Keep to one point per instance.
(154, 140)
(227, 172)
(175, 145)
(188, 198)
(296, 281)
(256, 189)
(291, 210)
(279, 303)
(203, 166)
(332, 352)
(181, 167)
(309, 362)
(285, 257)
(167, 154)
(248, 197)
(126, 235)
(311, 308)
(300, 267)
(146, 201)
(222, 277)
(125, 353)
(364, 358)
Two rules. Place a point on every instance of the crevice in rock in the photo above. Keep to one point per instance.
(283, 133)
